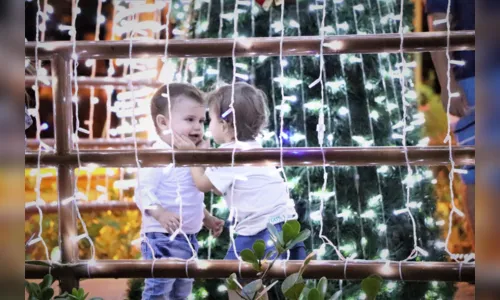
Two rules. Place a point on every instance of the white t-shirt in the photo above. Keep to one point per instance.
(158, 186)
(256, 195)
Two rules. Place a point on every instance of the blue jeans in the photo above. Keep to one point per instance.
(466, 126)
(298, 252)
(168, 288)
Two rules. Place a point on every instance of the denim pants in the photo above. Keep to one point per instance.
(298, 252)
(466, 126)
(168, 288)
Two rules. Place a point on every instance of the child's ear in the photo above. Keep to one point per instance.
(162, 121)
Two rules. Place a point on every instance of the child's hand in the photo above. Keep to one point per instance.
(182, 142)
(168, 220)
(214, 224)
(203, 144)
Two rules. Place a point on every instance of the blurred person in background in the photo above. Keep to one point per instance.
(461, 81)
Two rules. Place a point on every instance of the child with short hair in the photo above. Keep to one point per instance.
(158, 191)
(257, 195)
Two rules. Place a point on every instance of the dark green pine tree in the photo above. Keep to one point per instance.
(363, 106)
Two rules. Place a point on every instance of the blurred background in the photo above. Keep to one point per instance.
(363, 107)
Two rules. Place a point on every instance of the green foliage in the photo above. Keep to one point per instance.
(371, 286)
(317, 292)
(288, 237)
(44, 291)
(135, 288)
(283, 241)
(41, 291)
(76, 294)
(294, 286)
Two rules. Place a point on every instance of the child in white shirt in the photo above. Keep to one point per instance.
(158, 191)
(255, 195)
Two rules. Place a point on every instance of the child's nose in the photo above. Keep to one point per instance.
(198, 126)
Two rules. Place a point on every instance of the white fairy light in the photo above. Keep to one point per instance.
(294, 24)
(382, 227)
(448, 135)
(297, 137)
(404, 120)
(325, 195)
(344, 26)
(384, 253)
(343, 111)
(346, 214)
(39, 237)
(374, 115)
(74, 77)
(391, 286)
(374, 201)
(369, 214)
(336, 85)
(313, 7)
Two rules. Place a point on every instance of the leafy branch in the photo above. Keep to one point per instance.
(44, 291)
(294, 286)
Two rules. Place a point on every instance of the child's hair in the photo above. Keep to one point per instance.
(159, 101)
(250, 108)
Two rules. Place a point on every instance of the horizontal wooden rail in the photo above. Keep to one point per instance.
(331, 269)
(335, 156)
(83, 207)
(251, 47)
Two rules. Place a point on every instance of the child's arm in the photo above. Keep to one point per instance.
(148, 180)
(213, 223)
(149, 204)
(202, 182)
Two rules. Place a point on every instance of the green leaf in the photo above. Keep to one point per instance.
(64, 296)
(47, 294)
(248, 256)
(259, 248)
(291, 230)
(280, 248)
(292, 286)
(269, 254)
(314, 294)
(275, 235)
(81, 294)
(74, 292)
(300, 238)
(305, 293)
(27, 286)
(37, 263)
(322, 287)
(306, 262)
(295, 226)
(309, 258)
(231, 282)
(85, 296)
(371, 286)
(35, 290)
(47, 281)
(252, 288)
(267, 289)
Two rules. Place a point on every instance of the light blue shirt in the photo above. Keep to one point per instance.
(162, 186)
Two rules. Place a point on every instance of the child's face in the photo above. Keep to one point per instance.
(188, 117)
(217, 128)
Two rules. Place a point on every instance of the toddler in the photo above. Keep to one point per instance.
(158, 195)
